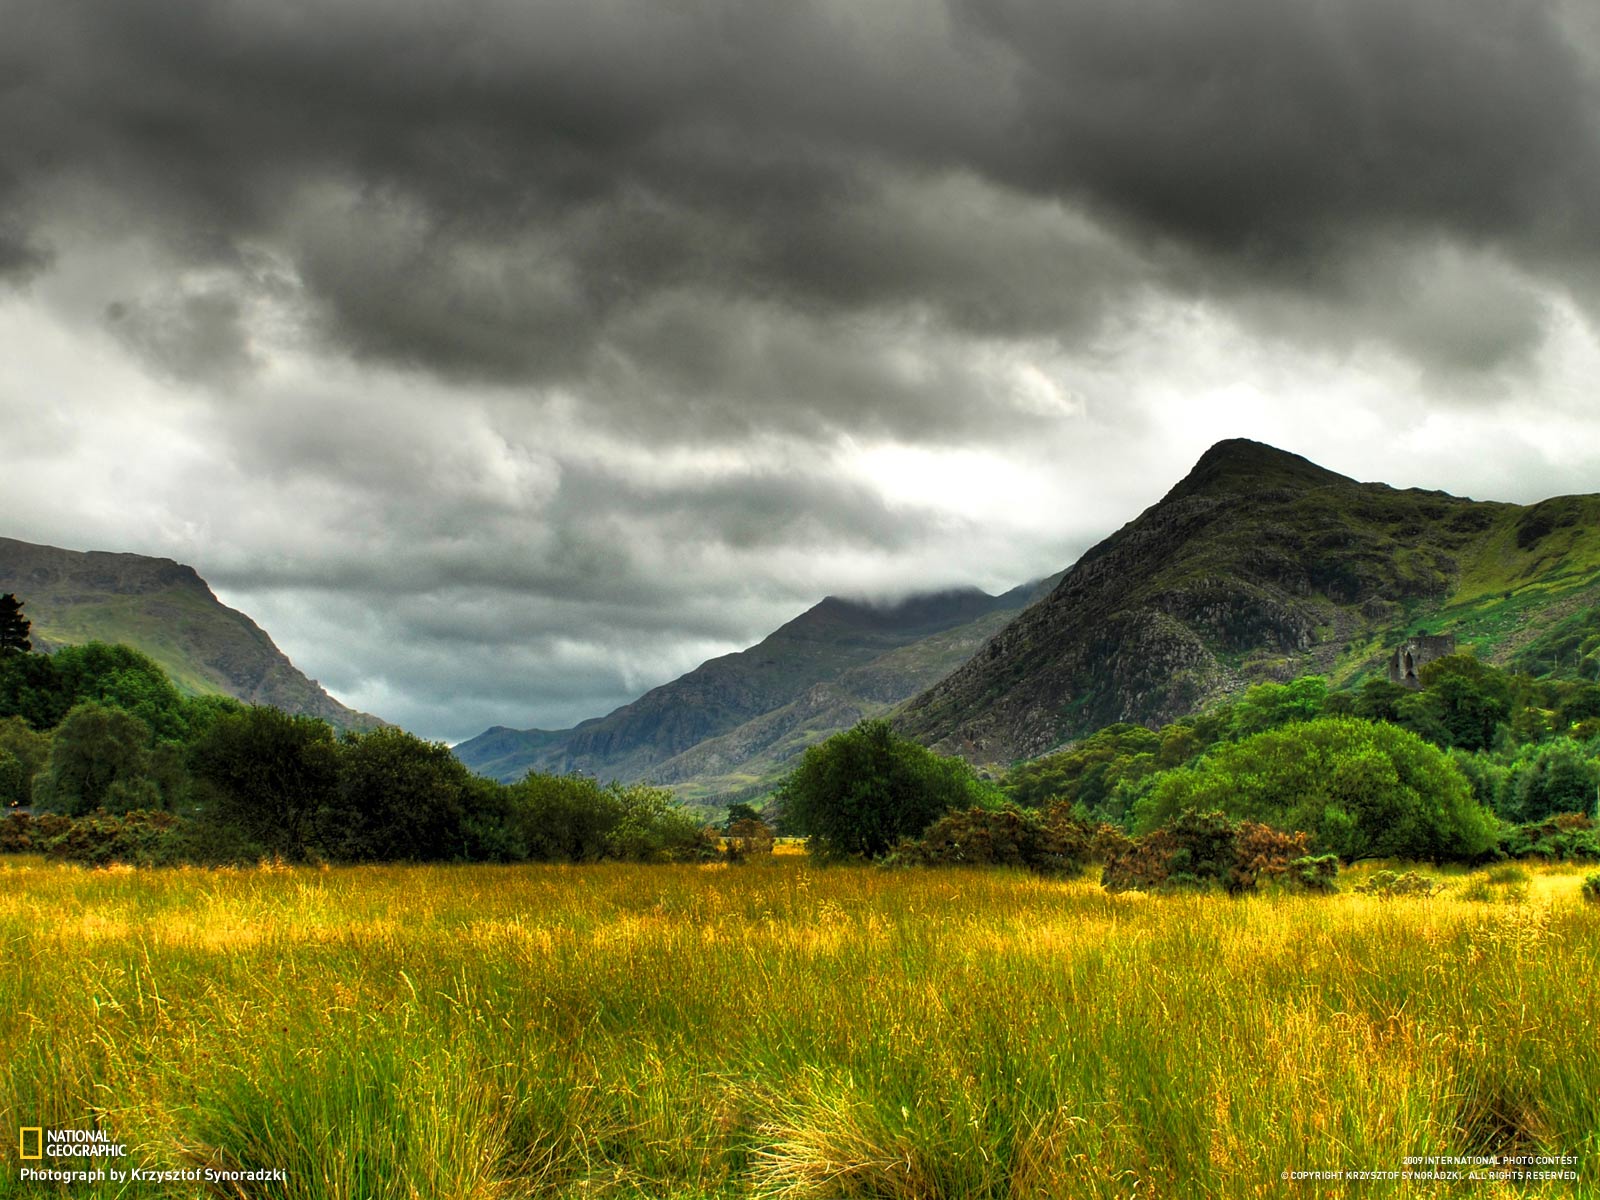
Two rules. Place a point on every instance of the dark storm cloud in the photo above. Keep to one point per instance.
(535, 348)
(1275, 130)
(503, 191)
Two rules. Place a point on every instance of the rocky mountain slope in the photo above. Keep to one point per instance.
(1260, 565)
(725, 727)
(166, 610)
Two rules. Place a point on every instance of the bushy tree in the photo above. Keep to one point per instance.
(397, 797)
(1363, 789)
(861, 791)
(32, 689)
(16, 782)
(27, 751)
(42, 689)
(1472, 698)
(1554, 778)
(268, 775)
(1271, 705)
(573, 818)
(99, 758)
(122, 677)
(1380, 700)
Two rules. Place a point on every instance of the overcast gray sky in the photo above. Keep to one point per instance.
(504, 358)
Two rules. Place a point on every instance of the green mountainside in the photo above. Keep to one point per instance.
(1262, 565)
(165, 610)
(726, 728)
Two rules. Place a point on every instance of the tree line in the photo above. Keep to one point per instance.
(94, 739)
(1481, 763)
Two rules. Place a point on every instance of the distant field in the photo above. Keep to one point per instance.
(782, 1030)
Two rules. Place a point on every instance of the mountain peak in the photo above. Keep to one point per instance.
(1239, 464)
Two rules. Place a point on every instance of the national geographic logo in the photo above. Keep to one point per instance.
(35, 1142)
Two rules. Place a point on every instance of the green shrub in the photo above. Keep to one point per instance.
(1569, 837)
(1389, 885)
(1317, 873)
(572, 818)
(1591, 889)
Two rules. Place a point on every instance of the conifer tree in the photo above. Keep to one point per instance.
(13, 626)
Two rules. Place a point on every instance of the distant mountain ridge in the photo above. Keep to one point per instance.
(729, 724)
(1259, 564)
(167, 611)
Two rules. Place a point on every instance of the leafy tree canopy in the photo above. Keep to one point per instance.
(99, 758)
(397, 797)
(269, 775)
(858, 793)
(1547, 780)
(1361, 788)
(1270, 705)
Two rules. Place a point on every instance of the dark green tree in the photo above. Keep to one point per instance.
(1555, 778)
(125, 678)
(267, 775)
(1472, 697)
(14, 626)
(858, 793)
(1380, 700)
(99, 758)
(397, 798)
(31, 688)
(29, 750)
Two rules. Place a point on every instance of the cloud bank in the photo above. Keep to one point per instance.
(504, 359)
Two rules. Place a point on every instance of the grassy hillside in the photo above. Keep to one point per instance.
(165, 610)
(1261, 565)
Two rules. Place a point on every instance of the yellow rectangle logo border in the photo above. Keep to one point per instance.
(22, 1143)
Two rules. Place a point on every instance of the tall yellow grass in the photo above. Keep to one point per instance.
(778, 1030)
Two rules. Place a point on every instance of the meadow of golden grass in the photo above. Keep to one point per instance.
(780, 1030)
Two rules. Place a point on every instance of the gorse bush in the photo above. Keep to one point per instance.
(1058, 842)
(1212, 850)
(142, 839)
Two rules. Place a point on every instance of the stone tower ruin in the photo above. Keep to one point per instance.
(1413, 652)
